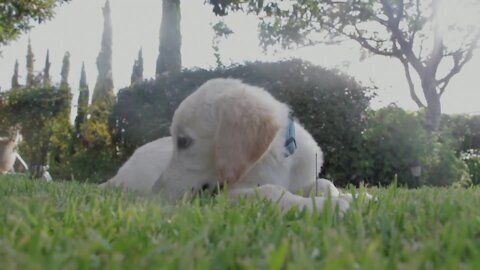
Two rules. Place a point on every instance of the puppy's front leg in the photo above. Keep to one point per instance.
(325, 186)
(286, 200)
(322, 186)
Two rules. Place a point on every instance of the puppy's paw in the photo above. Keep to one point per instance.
(363, 196)
(341, 204)
(336, 203)
(346, 196)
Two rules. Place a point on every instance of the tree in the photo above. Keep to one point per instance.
(47, 82)
(103, 91)
(170, 59)
(61, 144)
(82, 104)
(411, 31)
(18, 16)
(15, 83)
(97, 154)
(65, 71)
(137, 71)
(30, 61)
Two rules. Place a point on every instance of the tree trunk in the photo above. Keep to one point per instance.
(170, 58)
(434, 107)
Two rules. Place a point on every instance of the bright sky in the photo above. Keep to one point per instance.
(77, 28)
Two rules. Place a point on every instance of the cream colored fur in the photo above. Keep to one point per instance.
(237, 134)
(142, 169)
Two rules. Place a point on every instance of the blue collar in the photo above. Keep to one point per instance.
(290, 142)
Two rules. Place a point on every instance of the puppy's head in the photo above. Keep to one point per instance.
(219, 132)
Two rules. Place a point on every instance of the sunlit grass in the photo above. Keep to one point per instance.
(77, 226)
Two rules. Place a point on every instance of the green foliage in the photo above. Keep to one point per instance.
(82, 103)
(329, 104)
(463, 133)
(397, 141)
(47, 81)
(137, 70)
(472, 159)
(95, 158)
(15, 82)
(142, 114)
(60, 148)
(87, 155)
(36, 111)
(464, 129)
(103, 91)
(18, 16)
(394, 142)
(30, 68)
(92, 165)
(78, 226)
(62, 128)
(65, 71)
(222, 31)
(444, 165)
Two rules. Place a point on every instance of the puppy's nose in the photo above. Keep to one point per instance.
(158, 185)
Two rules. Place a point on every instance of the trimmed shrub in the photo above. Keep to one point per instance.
(463, 132)
(443, 165)
(472, 159)
(464, 129)
(331, 105)
(396, 142)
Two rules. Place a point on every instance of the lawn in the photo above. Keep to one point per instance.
(77, 226)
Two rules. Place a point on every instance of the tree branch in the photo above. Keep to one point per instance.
(400, 9)
(363, 41)
(405, 46)
(416, 27)
(411, 85)
(360, 40)
(460, 58)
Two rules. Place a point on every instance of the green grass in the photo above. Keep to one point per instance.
(77, 226)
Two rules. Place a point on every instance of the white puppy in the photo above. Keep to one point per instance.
(142, 169)
(234, 133)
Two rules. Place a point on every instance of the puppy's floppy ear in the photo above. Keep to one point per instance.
(245, 133)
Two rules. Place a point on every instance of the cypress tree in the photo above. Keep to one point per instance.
(15, 83)
(61, 129)
(30, 61)
(137, 72)
(103, 92)
(65, 71)
(82, 104)
(170, 59)
(47, 82)
(95, 130)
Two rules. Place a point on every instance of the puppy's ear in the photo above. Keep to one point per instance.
(244, 135)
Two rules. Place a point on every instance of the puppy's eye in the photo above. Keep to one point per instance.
(183, 142)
